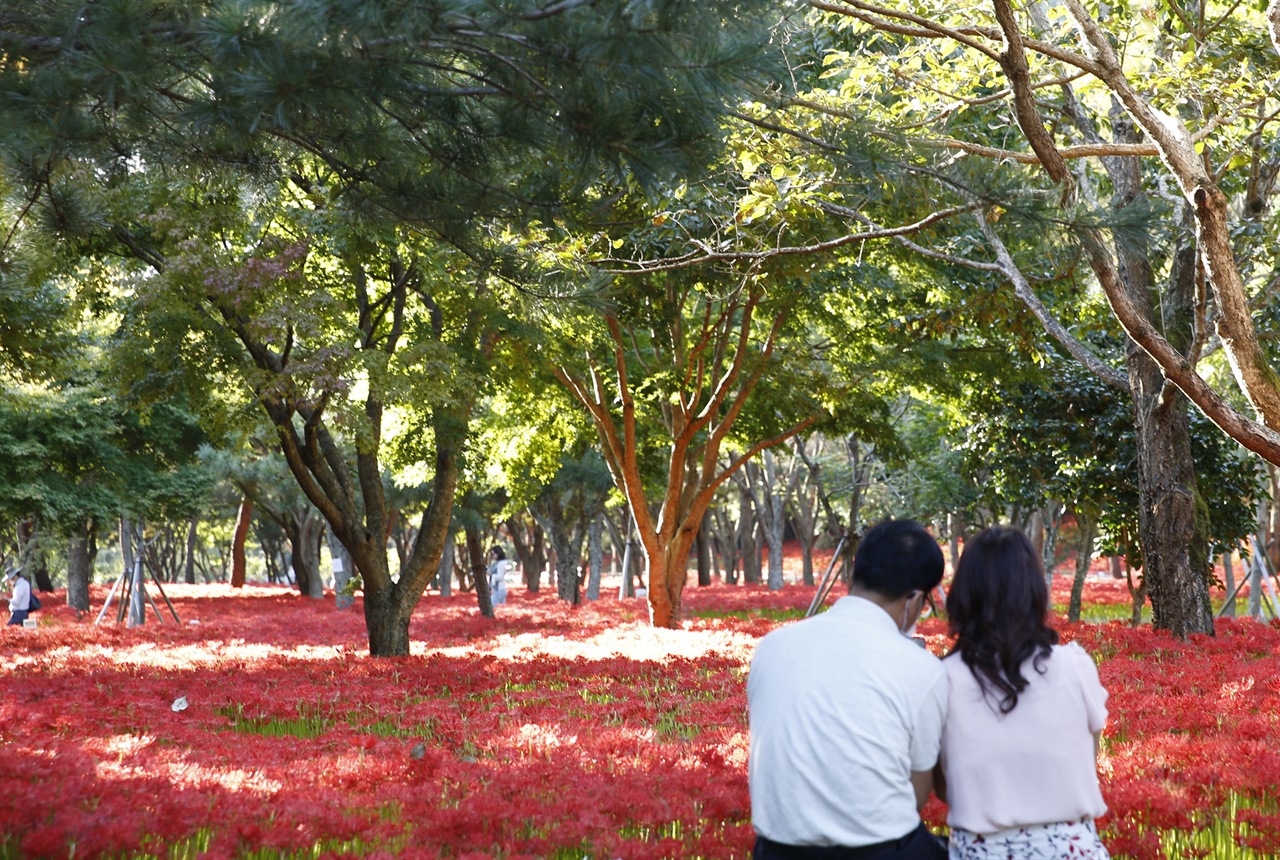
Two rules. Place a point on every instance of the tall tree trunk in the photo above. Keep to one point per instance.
(79, 568)
(1052, 518)
(528, 550)
(341, 564)
(444, 571)
(132, 549)
(305, 533)
(730, 550)
(1229, 578)
(747, 540)
(628, 588)
(667, 578)
(479, 573)
(566, 572)
(955, 525)
(1172, 520)
(244, 516)
(1084, 554)
(595, 556)
(189, 557)
(703, 545)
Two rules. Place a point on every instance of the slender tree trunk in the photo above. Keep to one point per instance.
(340, 562)
(1138, 594)
(807, 542)
(566, 572)
(1084, 554)
(1229, 577)
(479, 574)
(747, 540)
(955, 525)
(703, 546)
(628, 588)
(730, 550)
(305, 533)
(1052, 518)
(1271, 543)
(189, 558)
(132, 549)
(244, 516)
(79, 568)
(444, 571)
(595, 556)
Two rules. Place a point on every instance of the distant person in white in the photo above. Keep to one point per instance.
(846, 715)
(1023, 718)
(498, 565)
(20, 597)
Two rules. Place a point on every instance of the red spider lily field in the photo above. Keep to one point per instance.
(549, 731)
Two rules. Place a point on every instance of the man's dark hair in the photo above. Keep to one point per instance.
(897, 557)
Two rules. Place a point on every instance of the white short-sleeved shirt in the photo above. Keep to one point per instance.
(1034, 765)
(21, 598)
(843, 708)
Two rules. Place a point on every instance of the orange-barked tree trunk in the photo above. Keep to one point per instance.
(698, 378)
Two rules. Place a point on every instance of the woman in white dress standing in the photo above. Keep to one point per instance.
(1019, 746)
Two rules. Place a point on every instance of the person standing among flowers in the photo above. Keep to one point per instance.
(846, 715)
(1024, 715)
(20, 599)
(498, 565)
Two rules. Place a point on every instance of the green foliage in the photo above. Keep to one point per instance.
(1062, 434)
(75, 453)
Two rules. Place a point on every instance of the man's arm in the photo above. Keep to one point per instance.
(922, 782)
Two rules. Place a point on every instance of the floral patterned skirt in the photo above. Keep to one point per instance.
(1066, 840)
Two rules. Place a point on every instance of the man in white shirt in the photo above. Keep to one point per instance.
(20, 599)
(846, 715)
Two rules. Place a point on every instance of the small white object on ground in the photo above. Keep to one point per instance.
(179, 704)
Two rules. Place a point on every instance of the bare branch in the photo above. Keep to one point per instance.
(923, 26)
(706, 254)
(1088, 150)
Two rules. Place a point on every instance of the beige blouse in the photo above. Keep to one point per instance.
(1034, 765)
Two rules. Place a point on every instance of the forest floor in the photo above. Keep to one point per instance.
(259, 728)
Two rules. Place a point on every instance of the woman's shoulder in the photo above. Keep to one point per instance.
(1072, 657)
(1071, 651)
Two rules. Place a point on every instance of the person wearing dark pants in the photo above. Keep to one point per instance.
(20, 598)
(846, 714)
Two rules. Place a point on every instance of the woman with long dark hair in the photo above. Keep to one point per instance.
(1024, 714)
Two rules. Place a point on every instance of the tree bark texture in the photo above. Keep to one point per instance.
(1229, 580)
(79, 569)
(444, 570)
(595, 556)
(189, 556)
(1084, 554)
(479, 572)
(703, 549)
(244, 516)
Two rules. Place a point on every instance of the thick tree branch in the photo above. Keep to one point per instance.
(1056, 330)
(1253, 373)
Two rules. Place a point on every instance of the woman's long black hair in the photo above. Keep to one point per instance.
(997, 609)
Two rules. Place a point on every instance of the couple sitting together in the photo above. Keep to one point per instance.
(853, 724)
